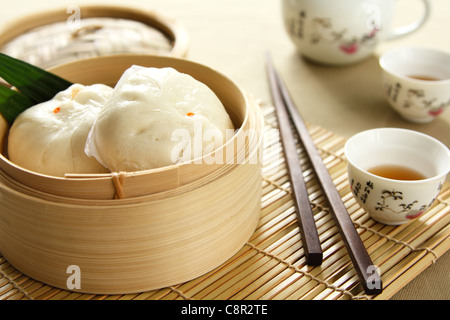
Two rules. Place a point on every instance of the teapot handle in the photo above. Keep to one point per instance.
(414, 26)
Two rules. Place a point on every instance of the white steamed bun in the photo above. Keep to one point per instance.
(141, 126)
(50, 137)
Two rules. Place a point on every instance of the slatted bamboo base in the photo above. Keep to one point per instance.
(271, 265)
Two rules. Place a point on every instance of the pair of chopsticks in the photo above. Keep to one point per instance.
(287, 113)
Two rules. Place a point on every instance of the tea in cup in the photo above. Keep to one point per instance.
(417, 82)
(345, 31)
(395, 174)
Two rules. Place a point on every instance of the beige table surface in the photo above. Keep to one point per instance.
(232, 37)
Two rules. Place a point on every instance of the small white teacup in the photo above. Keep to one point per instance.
(386, 195)
(417, 82)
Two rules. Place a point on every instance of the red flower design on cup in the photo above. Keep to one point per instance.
(435, 112)
(413, 215)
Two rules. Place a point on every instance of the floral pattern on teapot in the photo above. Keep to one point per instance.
(323, 31)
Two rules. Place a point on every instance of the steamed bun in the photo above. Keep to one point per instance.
(50, 137)
(152, 119)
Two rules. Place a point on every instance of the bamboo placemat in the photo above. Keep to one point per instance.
(271, 265)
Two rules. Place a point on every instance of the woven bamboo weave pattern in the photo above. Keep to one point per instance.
(54, 44)
(271, 265)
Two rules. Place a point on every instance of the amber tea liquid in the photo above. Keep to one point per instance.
(396, 172)
(426, 78)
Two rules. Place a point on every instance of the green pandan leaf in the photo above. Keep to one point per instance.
(34, 84)
(12, 103)
(37, 84)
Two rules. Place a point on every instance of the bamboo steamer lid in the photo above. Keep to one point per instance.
(72, 33)
(191, 219)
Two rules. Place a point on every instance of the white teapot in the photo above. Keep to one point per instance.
(345, 31)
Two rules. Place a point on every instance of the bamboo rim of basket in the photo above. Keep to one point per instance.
(136, 185)
(171, 28)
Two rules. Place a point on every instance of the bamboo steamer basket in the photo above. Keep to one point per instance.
(52, 37)
(137, 231)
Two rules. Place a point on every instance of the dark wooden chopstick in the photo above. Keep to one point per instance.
(305, 216)
(367, 272)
